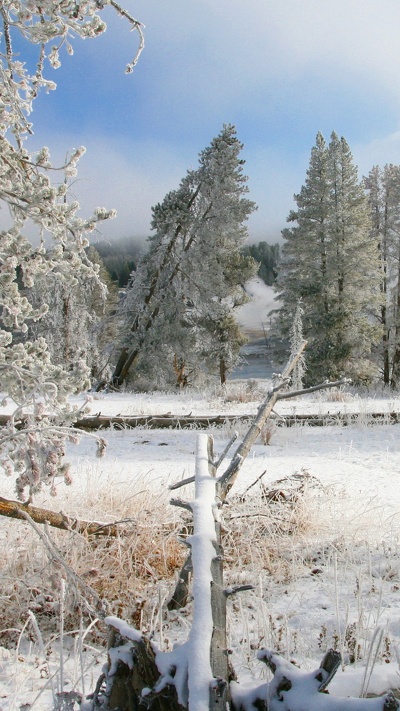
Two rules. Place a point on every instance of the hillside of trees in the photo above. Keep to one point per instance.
(120, 257)
(267, 256)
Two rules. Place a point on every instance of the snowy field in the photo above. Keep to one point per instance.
(323, 553)
(333, 579)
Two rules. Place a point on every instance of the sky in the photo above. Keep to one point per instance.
(280, 71)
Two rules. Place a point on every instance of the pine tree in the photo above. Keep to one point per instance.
(330, 261)
(383, 189)
(179, 305)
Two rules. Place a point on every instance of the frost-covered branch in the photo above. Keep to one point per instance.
(322, 386)
(43, 253)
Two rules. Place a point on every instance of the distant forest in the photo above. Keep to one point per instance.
(267, 256)
(121, 257)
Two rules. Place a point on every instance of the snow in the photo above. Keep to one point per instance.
(352, 537)
(123, 628)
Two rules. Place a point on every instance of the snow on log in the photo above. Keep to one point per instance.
(203, 552)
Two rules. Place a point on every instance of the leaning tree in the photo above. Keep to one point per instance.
(178, 308)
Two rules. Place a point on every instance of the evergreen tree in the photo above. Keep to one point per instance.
(182, 295)
(330, 261)
(383, 189)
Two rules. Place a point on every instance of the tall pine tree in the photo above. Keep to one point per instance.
(330, 261)
(383, 189)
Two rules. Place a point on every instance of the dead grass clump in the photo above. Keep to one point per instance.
(268, 431)
(123, 570)
(263, 529)
(337, 395)
(250, 391)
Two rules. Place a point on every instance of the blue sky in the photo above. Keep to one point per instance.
(280, 70)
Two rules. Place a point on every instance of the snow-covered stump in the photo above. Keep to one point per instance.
(131, 681)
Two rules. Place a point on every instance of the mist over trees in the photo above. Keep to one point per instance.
(120, 257)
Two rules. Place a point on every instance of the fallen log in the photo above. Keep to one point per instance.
(14, 509)
(154, 422)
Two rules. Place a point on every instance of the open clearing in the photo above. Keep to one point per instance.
(323, 558)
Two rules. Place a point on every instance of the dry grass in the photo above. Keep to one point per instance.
(264, 527)
(277, 535)
(124, 570)
(249, 391)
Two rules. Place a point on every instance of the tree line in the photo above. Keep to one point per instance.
(173, 322)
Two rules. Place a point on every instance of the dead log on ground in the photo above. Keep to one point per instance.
(14, 509)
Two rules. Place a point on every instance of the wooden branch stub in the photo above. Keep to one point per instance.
(183, 482)
(330, 664)
(180, 595)
(237, 589)
(390, 702)
(181, 504)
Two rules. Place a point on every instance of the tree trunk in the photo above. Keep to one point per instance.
(394, 381)
(222, 370)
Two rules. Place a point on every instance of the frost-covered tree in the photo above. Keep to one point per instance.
(76, 324)
(46, 237)
(330, 261)
(178, 309)
(296, 338)
(383, 189)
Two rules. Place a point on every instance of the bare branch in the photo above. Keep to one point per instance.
(182, 504)
(228, 478)
(226, 450)
(183, 482)
(314, 388)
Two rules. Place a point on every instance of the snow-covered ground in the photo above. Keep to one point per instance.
(335, 582)
(326, 571)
